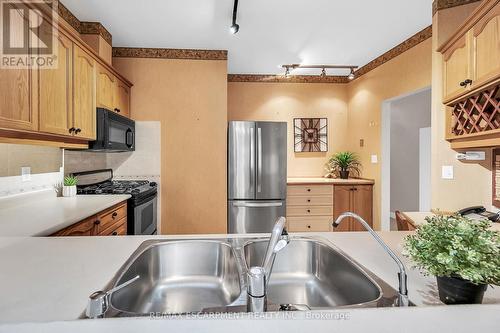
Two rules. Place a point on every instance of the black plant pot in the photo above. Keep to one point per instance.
(344, 174)
(455, 290)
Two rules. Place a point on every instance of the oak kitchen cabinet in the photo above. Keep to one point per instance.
(58, 106)
(313, 207)
(471, 80)
(110, 222)
(471, 57)
(112, 93)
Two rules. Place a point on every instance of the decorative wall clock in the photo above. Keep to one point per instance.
(310, 134)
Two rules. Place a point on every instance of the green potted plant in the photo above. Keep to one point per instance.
(344, 163)
(463, 254)
(69, 187)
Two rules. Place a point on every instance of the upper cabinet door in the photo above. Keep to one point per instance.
(457, 68)
(105, 89)
(84, 111)
(18, 93)
(122, 98)
(56, 92)
(486, 45)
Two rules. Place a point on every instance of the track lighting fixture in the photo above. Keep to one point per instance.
(323, 68)
(235, 27)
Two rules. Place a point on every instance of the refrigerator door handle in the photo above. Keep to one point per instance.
(257, 204)
(259, 159)
(252, 156)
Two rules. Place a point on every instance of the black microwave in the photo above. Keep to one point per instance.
(115, 133)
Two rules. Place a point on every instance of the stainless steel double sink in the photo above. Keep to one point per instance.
(192, 276)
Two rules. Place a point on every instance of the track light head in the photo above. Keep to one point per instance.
(287, 72)
(234, 28)
(323, 73)
(351, 75)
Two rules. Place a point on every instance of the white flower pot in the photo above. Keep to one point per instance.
(69, 191)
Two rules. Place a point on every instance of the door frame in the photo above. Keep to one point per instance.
(385, 187)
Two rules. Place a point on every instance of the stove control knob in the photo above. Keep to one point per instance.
(153, 184)
(135, 190)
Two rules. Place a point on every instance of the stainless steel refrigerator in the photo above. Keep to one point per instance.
(256, 175)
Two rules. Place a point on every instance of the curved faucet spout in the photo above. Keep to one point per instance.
(402, 277)
(278, 241)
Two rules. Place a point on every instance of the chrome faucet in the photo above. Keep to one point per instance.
(258, 277)
(99, 301)
(402, 277)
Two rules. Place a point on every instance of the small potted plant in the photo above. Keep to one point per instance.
(344, 163)
(463, 254)
(69, 188)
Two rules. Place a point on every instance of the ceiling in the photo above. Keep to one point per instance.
(271, 33)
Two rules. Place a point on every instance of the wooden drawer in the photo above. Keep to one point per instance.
(83, 228)
(309, 201)
(110, 216)
(117, 229)
(309, 210)
(111, 227)
(309, 190)
(310, 224)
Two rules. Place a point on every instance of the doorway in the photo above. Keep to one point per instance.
(406, 155)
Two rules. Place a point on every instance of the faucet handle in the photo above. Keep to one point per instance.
(256, 282)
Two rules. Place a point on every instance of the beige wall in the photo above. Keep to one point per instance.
(285, 101)
(189, 98)
(472, 183)
(406, 73)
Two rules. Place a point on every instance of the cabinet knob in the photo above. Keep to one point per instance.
(78, 130)
(308, 227)
(114, 215)
(308, 190)
(465, 83)
(97, 222)
(308, 210)
(117, 110)
(114, 233)
(308, 200)
(71, 130)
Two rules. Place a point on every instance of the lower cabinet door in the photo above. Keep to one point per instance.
(310, 224)
(342, 203)
(86, 227)
(362, 204)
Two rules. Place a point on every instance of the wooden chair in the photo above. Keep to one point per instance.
(403, 223)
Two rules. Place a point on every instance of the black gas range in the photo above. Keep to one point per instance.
(142, 214)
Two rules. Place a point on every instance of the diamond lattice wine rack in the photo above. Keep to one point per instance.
(477, 114)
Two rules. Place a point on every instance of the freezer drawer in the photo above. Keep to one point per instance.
(254, 216)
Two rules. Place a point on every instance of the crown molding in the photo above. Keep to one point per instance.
(444, 4)
(96, 28)
(84, 28)
(188, 54)
(411, 42)
(270, 78)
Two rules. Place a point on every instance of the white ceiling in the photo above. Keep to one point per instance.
(272, 32)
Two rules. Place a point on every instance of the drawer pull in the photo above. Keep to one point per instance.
(308, 200)
(308, 190)
(114, 233)
(114, 215)
(308, 227)
(308, 210)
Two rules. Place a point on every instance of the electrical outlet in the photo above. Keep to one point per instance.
(374, 159)
(447, 172)
(25, 174)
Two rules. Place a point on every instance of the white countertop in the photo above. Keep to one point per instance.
(322, 180)
(418, 218)
(50, 279)
(43, 213)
